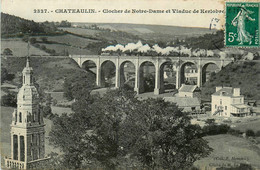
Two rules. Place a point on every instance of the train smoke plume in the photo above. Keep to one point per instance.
(144, 48)
(181, 50)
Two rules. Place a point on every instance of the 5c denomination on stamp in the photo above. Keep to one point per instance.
(242, 24)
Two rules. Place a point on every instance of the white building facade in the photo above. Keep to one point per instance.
(228, 102)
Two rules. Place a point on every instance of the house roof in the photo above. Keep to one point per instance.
(240, 106)
(225, 91)
(187, 88)
(250, 101)
(183, 101)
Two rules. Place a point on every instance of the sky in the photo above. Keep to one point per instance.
(26, 9)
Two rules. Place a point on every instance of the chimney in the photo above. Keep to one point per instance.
(236, 91)
(218, 88)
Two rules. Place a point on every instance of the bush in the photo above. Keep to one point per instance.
(47, 112)
(149, 83)
(4, 74)
(227, 121)
(25, 38)
(54, 102)
(44, 39)
(43, 47)
(210, 121)
(37, 45)
(234, 132)
(257, 134)
(250, 133)
(7, 51)
(214, 129)
(32, 40)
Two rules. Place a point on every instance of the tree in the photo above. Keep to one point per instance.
(71, 134)
(46, 109)
(109, 112)
(9, 99)
(163, 137)
(4, 74)
(75, 85)
(149, 82)
(33, 40)
(43, 47)
(7, 51)
(44, 39)
(250, 132)
(95, 127)
(65, 24)
(54, 102)
(108, 70)
(25, 38)
(67, 134)
(116, 130)
(210, 122)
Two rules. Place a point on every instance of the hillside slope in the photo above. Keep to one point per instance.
(15, 26)
(152, 31)
(49, 72)
(19, 48)
(242, 74)
(229, 151)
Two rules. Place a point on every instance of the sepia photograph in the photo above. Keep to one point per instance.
(130, 85)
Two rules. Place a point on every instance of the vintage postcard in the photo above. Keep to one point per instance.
(130, 84)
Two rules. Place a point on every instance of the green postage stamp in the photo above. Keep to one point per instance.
(242, 24)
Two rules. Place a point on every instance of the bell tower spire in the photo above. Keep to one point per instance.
(28, 71)
(27, 61)
(28, 48)
(27, 128)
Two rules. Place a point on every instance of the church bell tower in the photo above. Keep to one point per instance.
(27, 128)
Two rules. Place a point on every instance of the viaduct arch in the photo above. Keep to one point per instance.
(157, 61)
(123, 77)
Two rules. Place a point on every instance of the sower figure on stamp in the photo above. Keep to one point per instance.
(239, 21)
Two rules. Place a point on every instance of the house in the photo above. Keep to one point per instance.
(191, 74)
(228, 102)
(188, 104)
(188, 91)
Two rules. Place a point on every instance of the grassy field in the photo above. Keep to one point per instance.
(125, 33)
(60, 110)
(230, 151)
(56, 95)
(118, 36)
(19, 47)
(80, 31)
(253, 125)
(50, 73)
(72, 44)
(6, 119)
(142, 29)
(59, 48)
(69, 39)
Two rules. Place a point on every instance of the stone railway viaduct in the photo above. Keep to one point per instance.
(158, 61)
